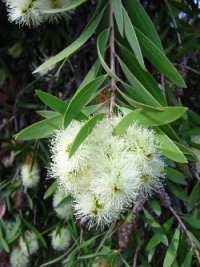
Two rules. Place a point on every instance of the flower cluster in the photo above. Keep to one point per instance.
(35, 12)
(107, 172)
(28, 245)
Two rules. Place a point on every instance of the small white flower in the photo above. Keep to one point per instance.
(94, 211)
(24, 12)
(29, 243)
(118, 179)
(196, 139)
(18, 258)
(30, 174)
(63, 211)
(60, 239)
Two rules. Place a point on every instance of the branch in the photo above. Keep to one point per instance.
(112, 58)
(165, 200)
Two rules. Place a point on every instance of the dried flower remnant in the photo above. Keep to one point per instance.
(30, 173)
(29, 243)
(18, 258)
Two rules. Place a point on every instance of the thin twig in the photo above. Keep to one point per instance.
(174, 22)
(166, 202)
(112, 58)
(188, 68)
(190, 239)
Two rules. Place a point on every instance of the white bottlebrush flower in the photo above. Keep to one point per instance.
(71, 172)
(141, 141)
(107, 172)
(24, 12)
(47, 8)
(18, 258)
(29, 243)
(118, 179)
(94, 211)
(60, 239)
(30, 174)
(196, 139)
(63, 211)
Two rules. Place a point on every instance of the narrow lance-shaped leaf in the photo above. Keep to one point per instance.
(102, 39)
(81, 98)
(52, 188)
(150, 118)
(169, 148)
(132, 39)
(47, 114)
(132, 102)
(172, 250)
(41, 129)
(158, 59)
(139, 92)
(118, 12)
(143, 76)
(86, 34)
(71, 5)
(84, 132)
(52, 101)
(142, 21)
(125, 122)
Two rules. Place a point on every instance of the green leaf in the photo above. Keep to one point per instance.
(188, 260)
(169, 148)
(149, 118)
(145, 78)
(52, 188)
(172, 250)
(84, 132)
(91, 75)
(101, 41)
(194, 222)
(86, 34)
(132, 39)
(159, 60)
(47, 114)
(175, 176)
(138, 91)
(91, 109)
(153, 242)
(193, 197)
(53, 102)
(125, 122)
(155, 206)
(132, 102)
(118, 13)
(71, 5)
(142, 21)
(41, 129)
(186, 151)
(81, 98)
(151, 220)
(4, 244)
